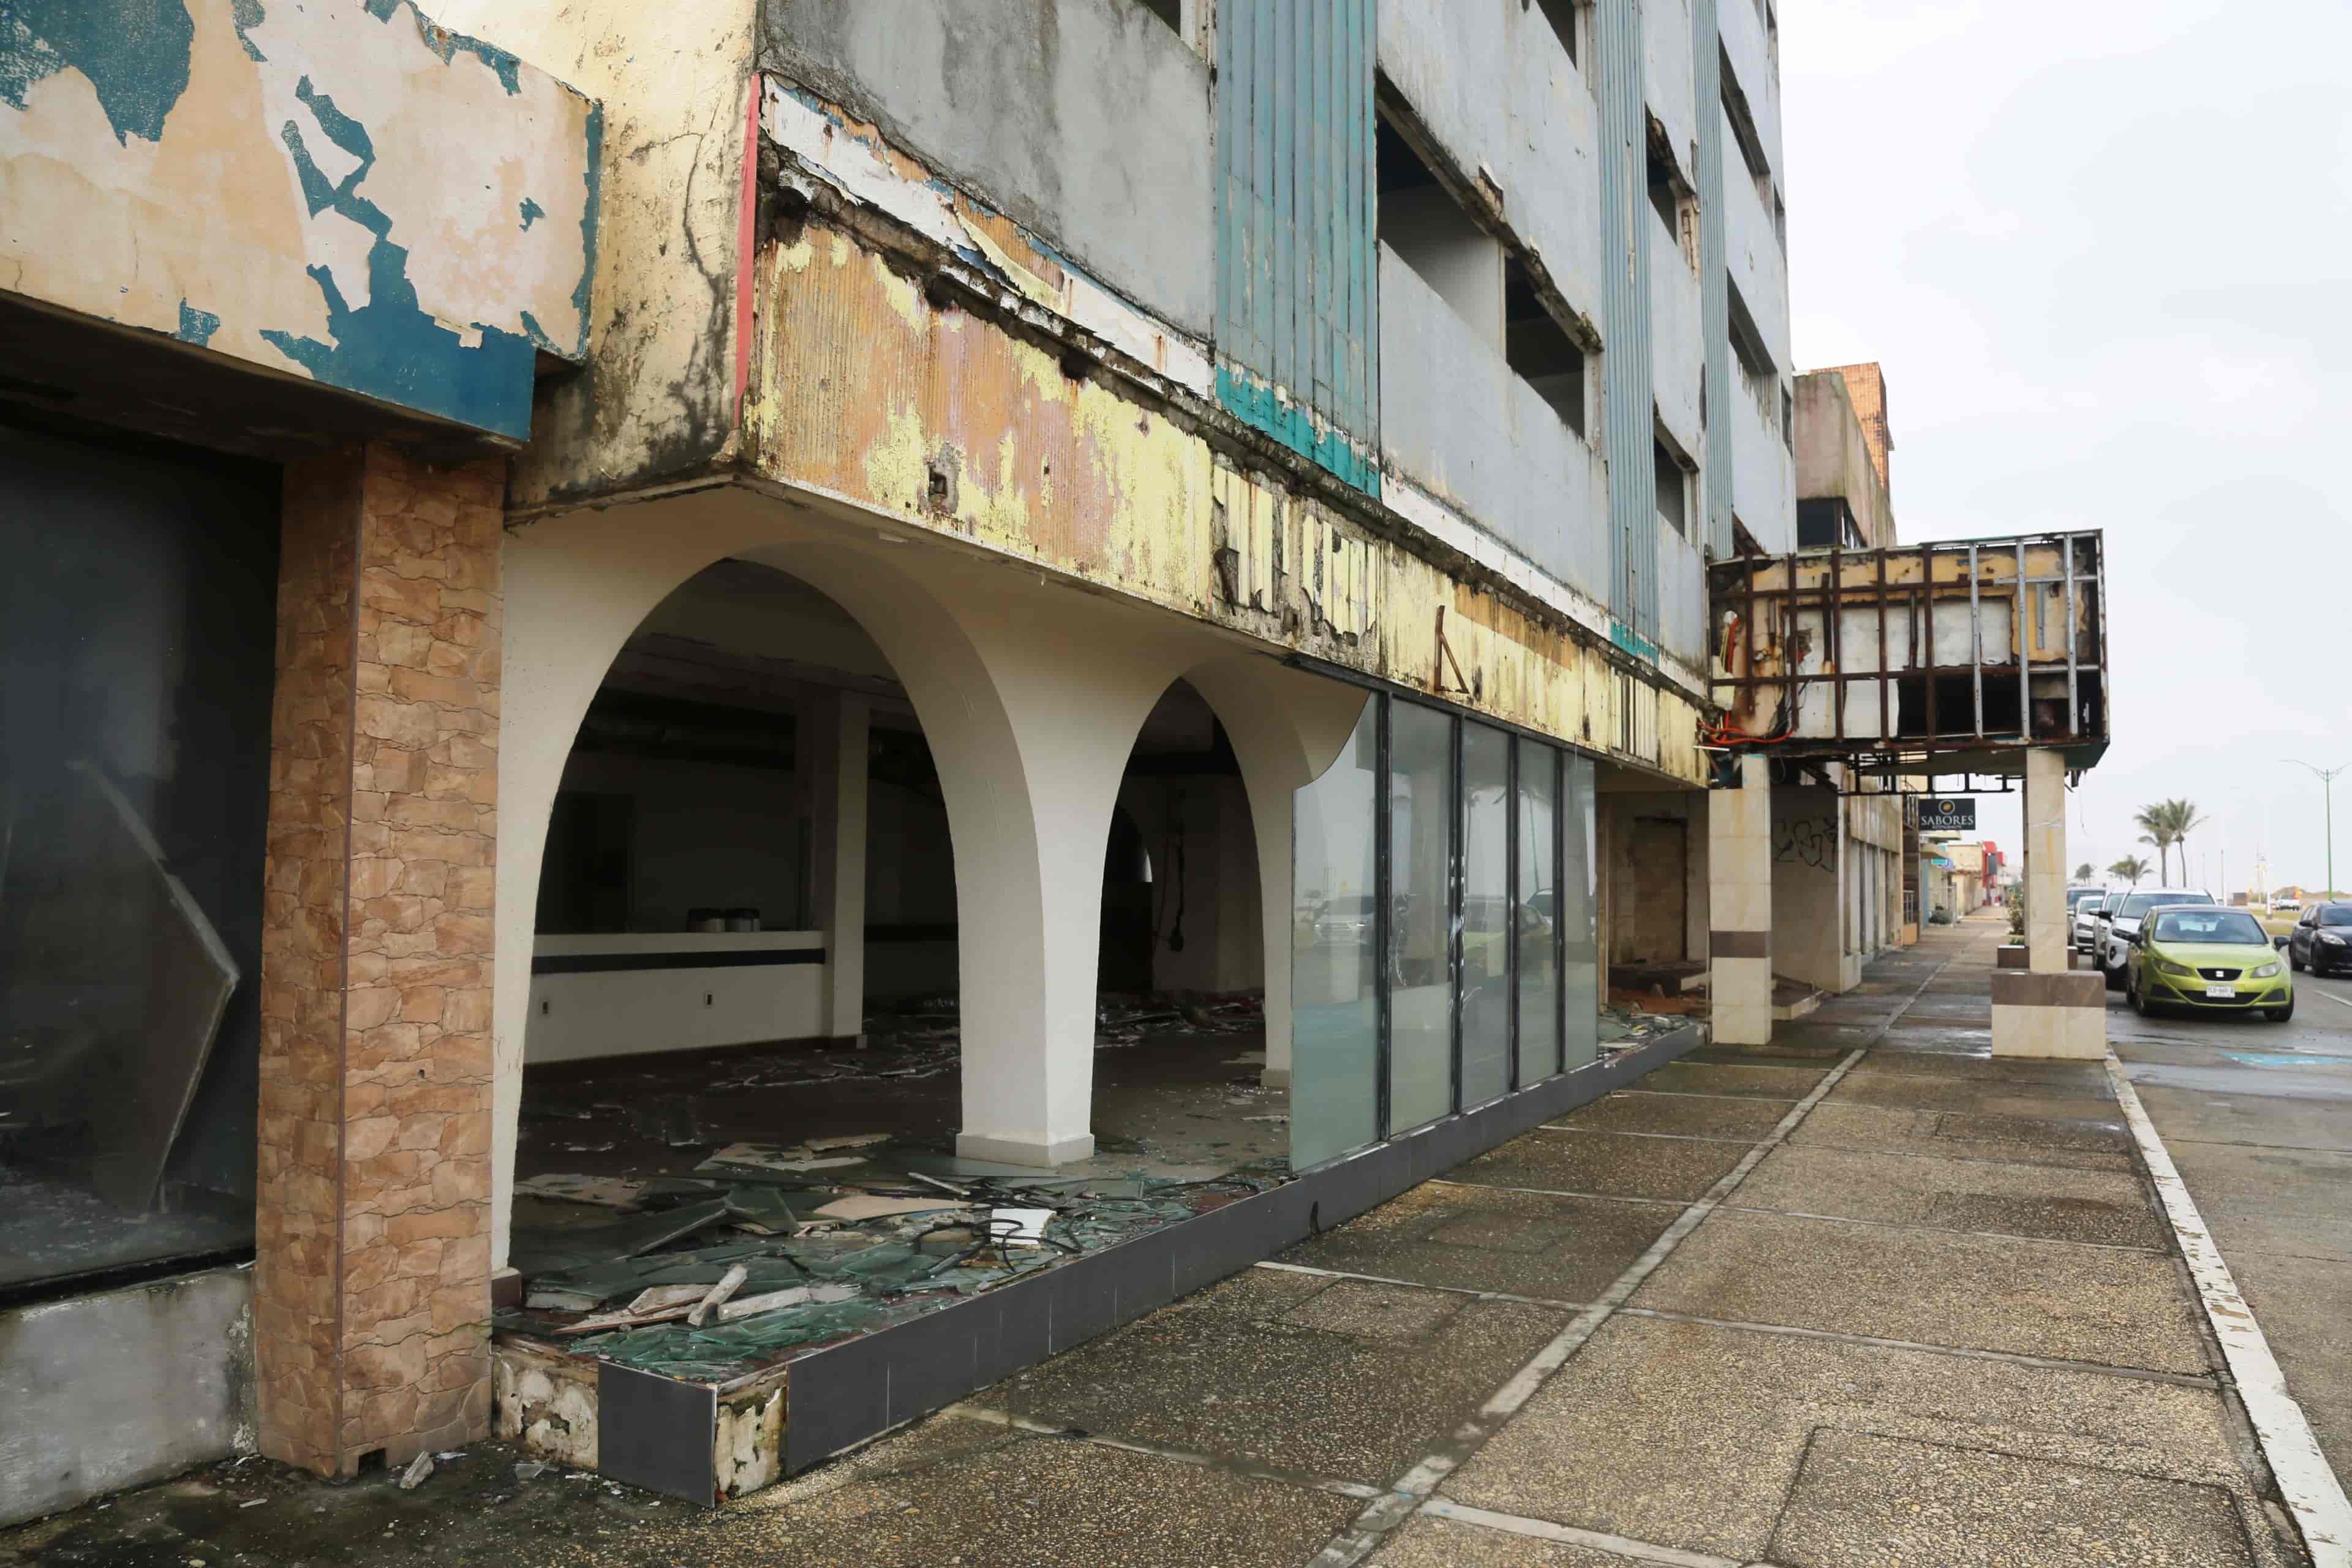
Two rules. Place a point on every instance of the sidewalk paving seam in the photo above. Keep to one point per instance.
(982, 1412)
(1412, 1490)
(1568, 1535)
(1614, 1133)
(1805, 1214)
(1694, 1094)
(1834, 1336)
(2306, 1482)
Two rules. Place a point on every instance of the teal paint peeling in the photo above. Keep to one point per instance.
(247, 15)
(196, 326)
(449, 45)
(582, 293)
(134, 52)
(1257, 404)
(1632, 641)
(531, 213)
(390, 347)
(1296, 270)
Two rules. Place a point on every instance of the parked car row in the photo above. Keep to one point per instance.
(2176, 948)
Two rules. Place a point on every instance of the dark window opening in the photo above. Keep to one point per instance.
(1562, 16)
(1665, 199)
(1788, 419)
(1396, 165)
(1827, 521)
(1674, 488)
(1425, 224)
(1169, 11)
(1539, 349)
(1955, 698)
(1748, 340)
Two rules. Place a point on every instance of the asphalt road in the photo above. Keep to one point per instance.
(2258, 1116)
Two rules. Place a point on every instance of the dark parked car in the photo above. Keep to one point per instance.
(2322, 939)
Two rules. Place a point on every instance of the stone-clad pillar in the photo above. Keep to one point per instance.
(373, 1233)
(1740, 907)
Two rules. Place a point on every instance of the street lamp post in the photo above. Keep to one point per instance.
(2327, 795)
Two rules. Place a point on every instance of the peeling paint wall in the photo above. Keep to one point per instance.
(938, 416)
(659, 396)
(335, 189)
(1085, 121)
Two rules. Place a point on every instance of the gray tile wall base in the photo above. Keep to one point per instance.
(683, 1440)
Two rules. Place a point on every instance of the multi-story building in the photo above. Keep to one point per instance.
(931, 484)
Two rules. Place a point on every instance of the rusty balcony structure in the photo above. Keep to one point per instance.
(1950, 658)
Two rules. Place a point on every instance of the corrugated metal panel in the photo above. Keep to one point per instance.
(1715, 310)
(1625, 324)
(1295, 272)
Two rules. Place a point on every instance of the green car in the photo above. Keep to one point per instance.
(2206, 960)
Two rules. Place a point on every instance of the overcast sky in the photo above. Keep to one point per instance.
(2104, 251)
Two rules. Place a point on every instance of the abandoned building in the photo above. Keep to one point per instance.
(625, 620)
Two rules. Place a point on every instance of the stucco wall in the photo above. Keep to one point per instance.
(329, 189)
(1086, 120)
(1833, 455)
(662, 389)
(119, 1389)
(1503, 100)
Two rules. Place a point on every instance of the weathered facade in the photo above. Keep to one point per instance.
(1241, 435)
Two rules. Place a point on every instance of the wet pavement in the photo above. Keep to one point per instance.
(1863, 1297)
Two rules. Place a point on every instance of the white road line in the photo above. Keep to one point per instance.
(2312, 1493)
(1544, 1530)
(2335, 998)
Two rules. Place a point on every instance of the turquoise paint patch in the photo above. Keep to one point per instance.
(390, 347)
(1632, 641)
(531, 213)
(134, 52)
(1257, 404)
(582, 293)
(196, 326)
(449, 45)
(247, 15)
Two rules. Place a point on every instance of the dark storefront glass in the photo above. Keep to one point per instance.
(1580, 904)
(1334, 956)
(1537, 910)
(1487, 918)
(1423, 916)
(137, 628)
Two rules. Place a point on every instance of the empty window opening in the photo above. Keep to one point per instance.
(1826, 520)
(1565, 16)
(1673, 487)
(1169, 11)
(1539, 349)
(1670, 198)
(1430, 232)
(1748, 345)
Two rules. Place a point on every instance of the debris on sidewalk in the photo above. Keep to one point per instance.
(419, 1471)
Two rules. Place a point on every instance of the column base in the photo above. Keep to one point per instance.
(1023, 1151)
(2049, 1016)
(1274, 1077)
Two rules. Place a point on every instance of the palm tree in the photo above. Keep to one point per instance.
(2131, 867)
(2154, 823)
(2185, 816)
(2083, 873)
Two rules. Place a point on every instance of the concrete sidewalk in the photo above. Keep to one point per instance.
(1863, 1297)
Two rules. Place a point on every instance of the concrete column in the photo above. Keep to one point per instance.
(373, 1224)
(2046, 943)
(1286, 728)
(1739, 905)
(837, 733)
(2045, 1010)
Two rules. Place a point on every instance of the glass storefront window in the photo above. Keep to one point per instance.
(1334, 946)
(1422, 916)
(1445, 939)
(1580, 903)
(1536, 910)
(1488, 920)
(137, 627)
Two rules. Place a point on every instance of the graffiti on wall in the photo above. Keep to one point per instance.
(1806, 841)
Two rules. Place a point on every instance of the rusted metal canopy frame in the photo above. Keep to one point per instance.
(1919, 600)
